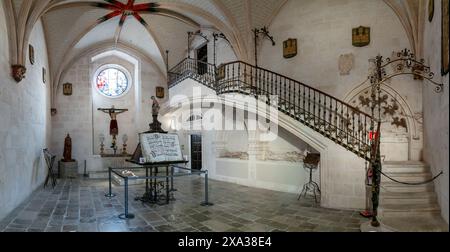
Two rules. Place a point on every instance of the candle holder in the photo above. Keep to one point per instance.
(124, 140)
(102, 145)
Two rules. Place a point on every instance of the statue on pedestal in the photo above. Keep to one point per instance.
(155, 126)
(67, 154)
(69, 166)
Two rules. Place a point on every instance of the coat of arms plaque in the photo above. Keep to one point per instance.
(290, 48)
(361, 36)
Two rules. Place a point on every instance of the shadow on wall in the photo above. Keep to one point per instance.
(295, 141)
(38, 164)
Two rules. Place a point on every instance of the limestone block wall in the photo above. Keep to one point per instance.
(78, 115)
(341, 174)
(24, 122)
(435, 106)
(323, 29)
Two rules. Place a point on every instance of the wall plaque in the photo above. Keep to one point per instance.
(160, 92)
(67, 89)
(361, 36)
(290, 48)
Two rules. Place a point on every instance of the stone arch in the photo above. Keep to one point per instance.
(335, 161)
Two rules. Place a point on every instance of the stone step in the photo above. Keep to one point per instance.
(409, 210)
(407, 177)
(408, 198)
(401, 188)
(416, 224)
(405, 166)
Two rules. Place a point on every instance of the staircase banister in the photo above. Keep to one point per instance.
(298, 82)
(172, 70)
(177, 65)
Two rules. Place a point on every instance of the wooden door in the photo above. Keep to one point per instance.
(202, 55)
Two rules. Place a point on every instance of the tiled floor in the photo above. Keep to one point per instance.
(80, 205)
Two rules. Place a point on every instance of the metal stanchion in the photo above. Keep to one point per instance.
(167, 185)
(172, 170)
(206, 202)
(126, 215)
(110, 194)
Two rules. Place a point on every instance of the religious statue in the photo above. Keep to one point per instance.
(155, 106)
(113, 125)
(155, 126)
(67, 155)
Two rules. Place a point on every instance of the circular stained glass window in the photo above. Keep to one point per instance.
(112, 82)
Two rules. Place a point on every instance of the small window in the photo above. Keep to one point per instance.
(112, 81)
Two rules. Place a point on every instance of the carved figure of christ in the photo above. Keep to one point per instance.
(113, 125)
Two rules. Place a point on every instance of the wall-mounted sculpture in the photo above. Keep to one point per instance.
(113, 125)
(18, 72)
(345, 64)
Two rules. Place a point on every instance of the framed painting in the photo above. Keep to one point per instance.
(160, 92)
(445, 43)
(67, 89)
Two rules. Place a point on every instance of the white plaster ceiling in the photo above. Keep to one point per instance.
(71, 29)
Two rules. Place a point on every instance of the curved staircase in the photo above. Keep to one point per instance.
(334, 119)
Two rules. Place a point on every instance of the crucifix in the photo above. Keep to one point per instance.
(113, 125)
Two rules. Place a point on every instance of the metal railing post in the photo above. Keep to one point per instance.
(206, 202)
(110, 194)
(126, 215)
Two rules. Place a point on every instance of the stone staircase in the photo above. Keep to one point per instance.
(409, 207)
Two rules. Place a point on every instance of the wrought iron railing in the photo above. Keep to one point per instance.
(202, 72)
(327, 115)
(344, 124)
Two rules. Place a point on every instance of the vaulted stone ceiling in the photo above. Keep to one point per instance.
(71, 27)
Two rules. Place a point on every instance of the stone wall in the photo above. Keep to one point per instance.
(25, 122)
(435, 106)
(341, 174)
(78, 115)
(323, 29)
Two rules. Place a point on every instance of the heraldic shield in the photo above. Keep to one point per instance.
(361, 36)
(290, 48)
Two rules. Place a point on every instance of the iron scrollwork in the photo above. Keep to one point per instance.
(403, 63)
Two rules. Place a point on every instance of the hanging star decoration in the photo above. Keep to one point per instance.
(125, 10)
(130, 9)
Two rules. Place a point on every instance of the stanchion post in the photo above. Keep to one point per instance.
(110, 194)
(172, 171)
(126, 215)
(206, 202)
(167, 185)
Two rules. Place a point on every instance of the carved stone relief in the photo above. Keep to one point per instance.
(393, 116)
(346, 62)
